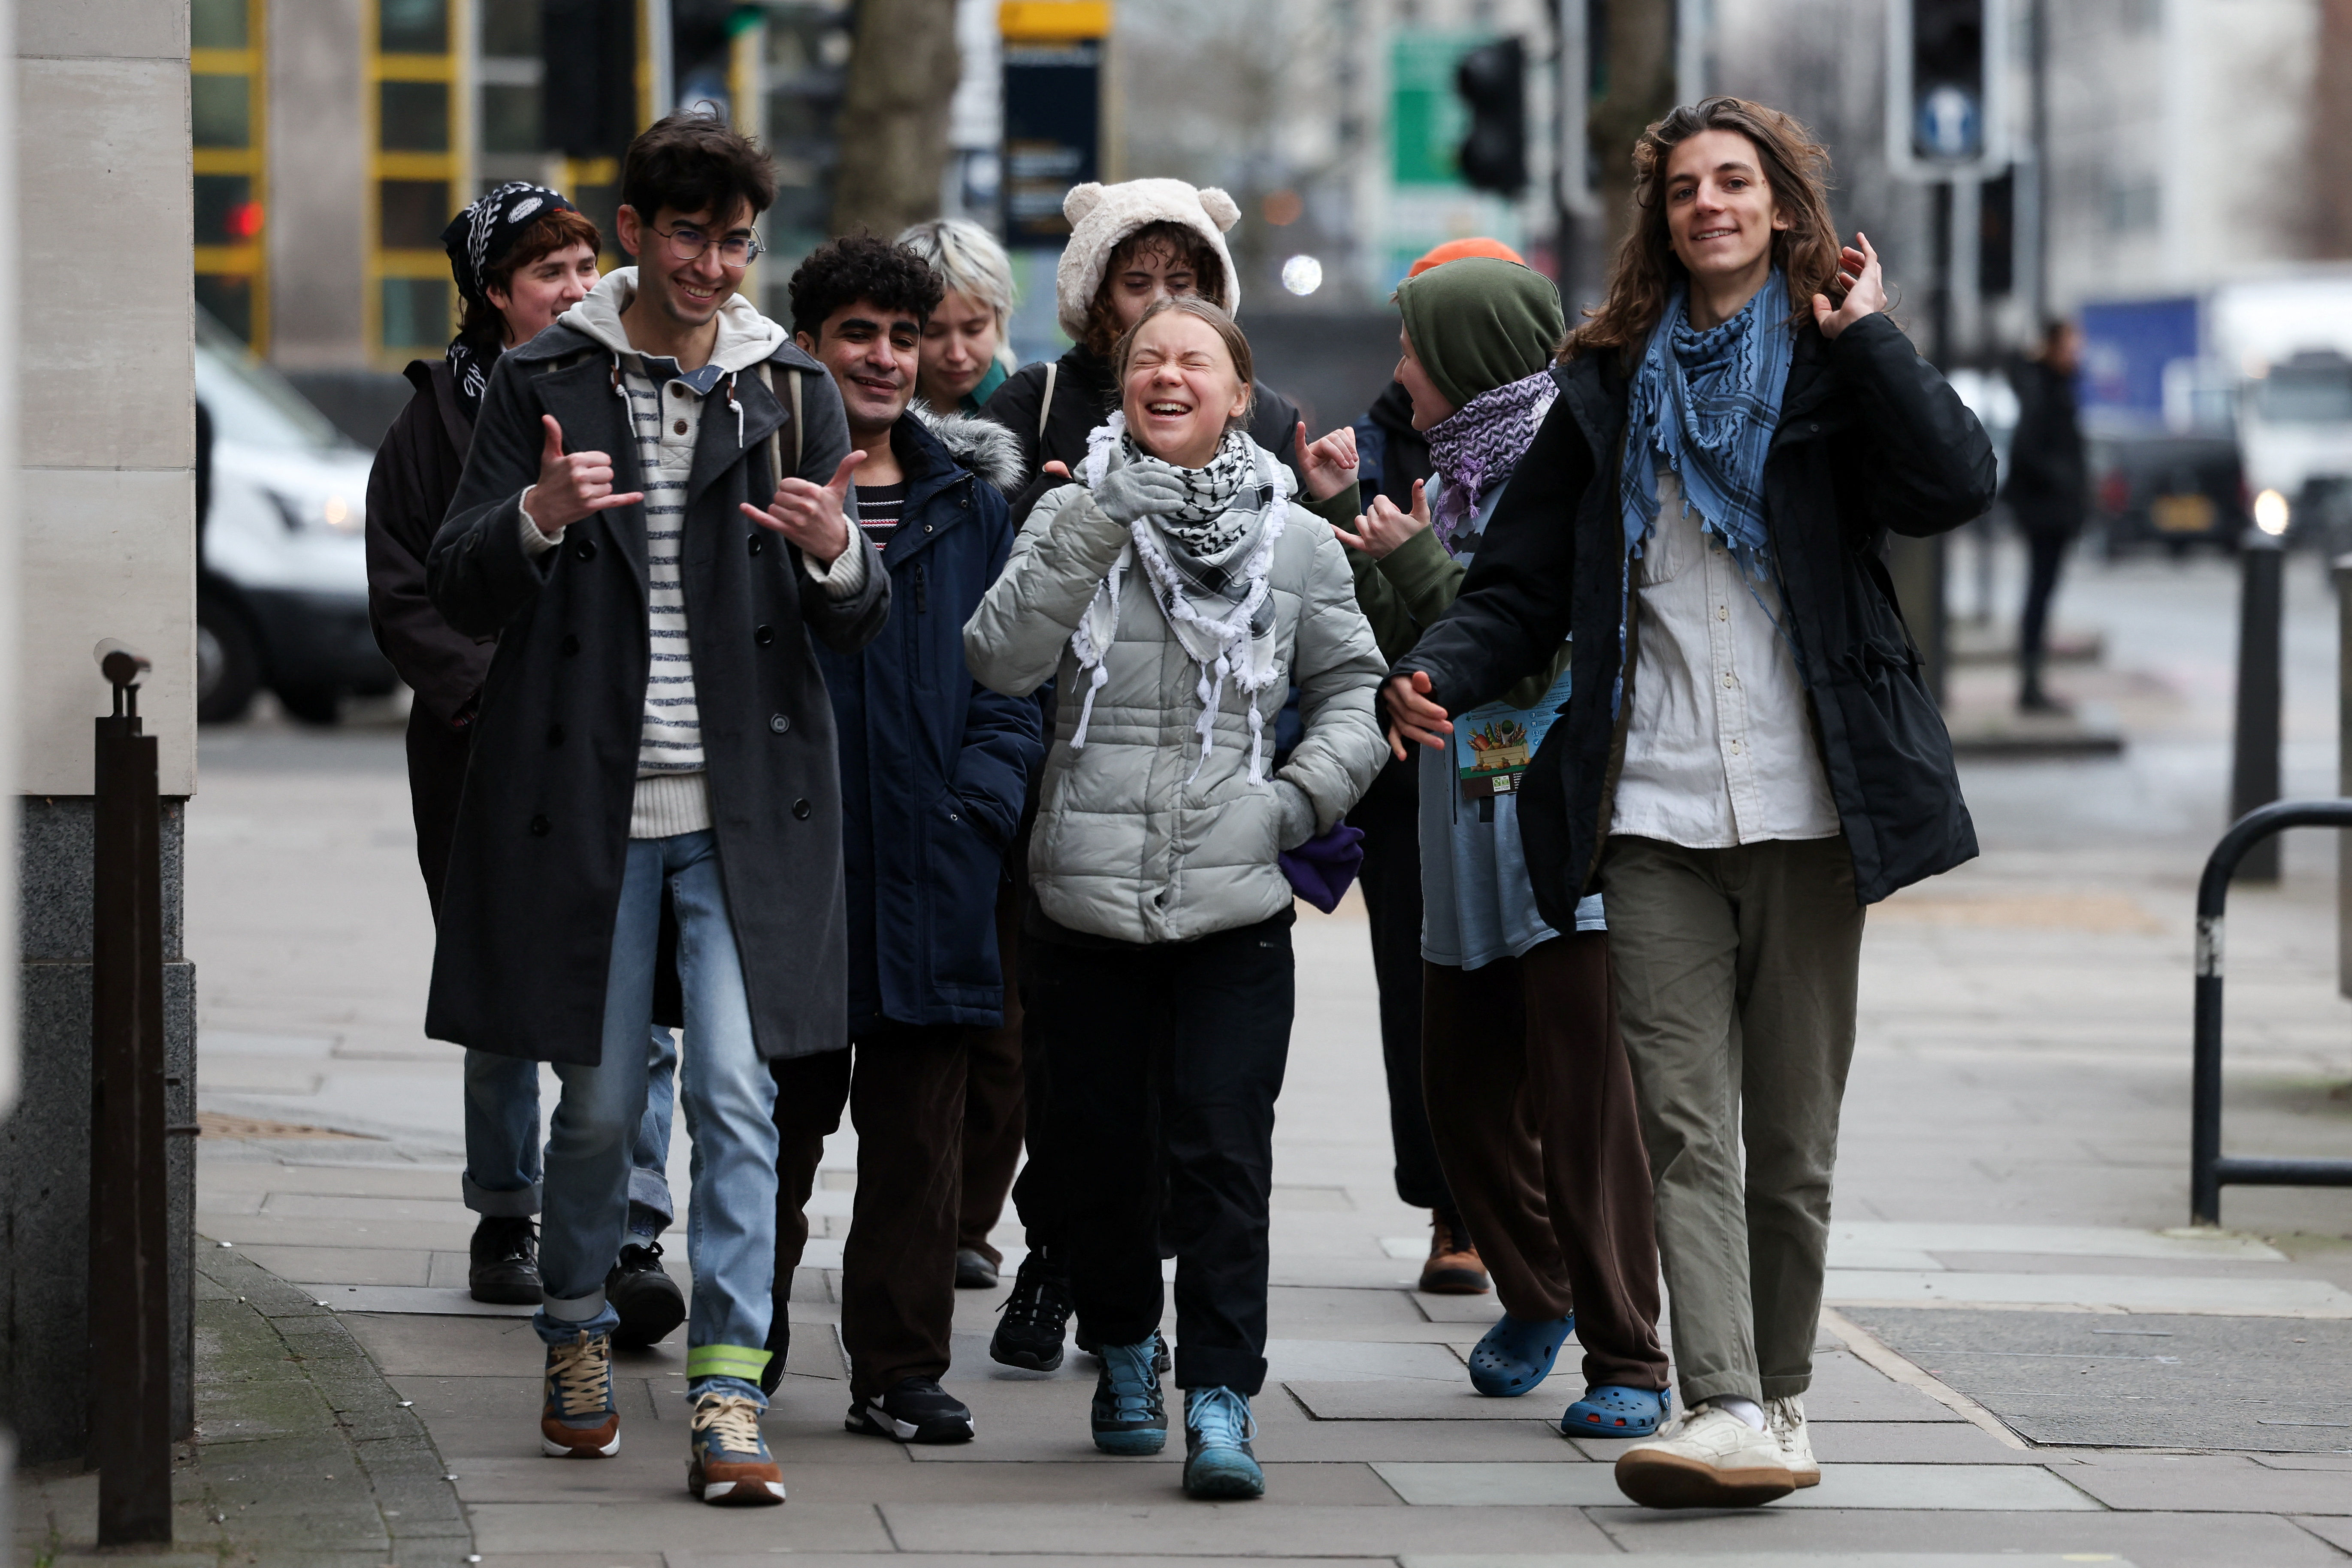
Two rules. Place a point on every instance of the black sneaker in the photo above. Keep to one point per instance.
(1031, 1322)
(505, 1262)
(916, 1410)
(780, 1348)
(973, 1271)
(1089, 1345)
(1129, 1415)
(649, 1299)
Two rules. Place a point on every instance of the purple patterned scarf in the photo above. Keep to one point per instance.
(1478, 445)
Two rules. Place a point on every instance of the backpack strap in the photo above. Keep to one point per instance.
(1045, 404)
(776, 441)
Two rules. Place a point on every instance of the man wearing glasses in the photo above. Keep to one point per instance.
(654, 716)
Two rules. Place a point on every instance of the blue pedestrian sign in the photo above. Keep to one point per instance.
(1950, 123)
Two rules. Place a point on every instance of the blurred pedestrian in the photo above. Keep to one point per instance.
(966, 355)
(520, 255)
(1131, 244)
(1531, 1100)
(2047, 491)
(655, 717)
(1748, 756)
(933, 770)
(1174, 593)
(964, 340)
(1392, 458)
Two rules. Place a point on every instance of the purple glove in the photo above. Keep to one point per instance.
(1321, 869)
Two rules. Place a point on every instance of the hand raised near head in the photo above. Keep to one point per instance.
(571, 485)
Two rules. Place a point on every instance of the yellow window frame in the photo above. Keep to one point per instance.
(250, 260)
(453, 168)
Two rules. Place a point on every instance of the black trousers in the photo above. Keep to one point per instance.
(2045, 550)
(1389, 818)
(904, 1087)
(1200, 1032)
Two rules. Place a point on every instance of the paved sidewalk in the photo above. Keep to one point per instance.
(2025, 1360)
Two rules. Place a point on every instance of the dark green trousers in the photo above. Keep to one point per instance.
(1735, 973)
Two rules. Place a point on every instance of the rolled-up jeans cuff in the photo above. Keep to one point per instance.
(520, 1204)
(648, 1190)
(580, 1310)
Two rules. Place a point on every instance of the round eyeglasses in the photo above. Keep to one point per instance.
(687, 243)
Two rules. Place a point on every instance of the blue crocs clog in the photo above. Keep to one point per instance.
(1515, 1355)
(1613, 1410)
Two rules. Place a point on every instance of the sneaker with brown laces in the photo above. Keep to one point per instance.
(578, 1419)
(728, 1460)
(1453, 1268)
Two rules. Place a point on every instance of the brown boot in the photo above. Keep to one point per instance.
(1452, 1269)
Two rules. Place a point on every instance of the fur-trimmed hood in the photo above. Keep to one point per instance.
(985, 449)
(1102, 215)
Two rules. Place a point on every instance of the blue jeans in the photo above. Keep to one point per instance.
(730, 1101)
(502, 1153)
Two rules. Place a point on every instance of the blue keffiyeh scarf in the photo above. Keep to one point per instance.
(1707, 403)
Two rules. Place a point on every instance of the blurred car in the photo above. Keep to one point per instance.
(2167, 490)
(281, 577)
(2296, 423)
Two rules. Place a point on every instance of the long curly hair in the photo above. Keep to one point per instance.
(1646, 269)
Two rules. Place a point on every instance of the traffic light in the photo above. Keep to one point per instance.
(589, 88)
(1493, 82)
(1948, 76)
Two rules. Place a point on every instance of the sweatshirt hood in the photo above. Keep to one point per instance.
(745, 336)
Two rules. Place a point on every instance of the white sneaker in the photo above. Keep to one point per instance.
(1785, 1419)
(1711, 1459)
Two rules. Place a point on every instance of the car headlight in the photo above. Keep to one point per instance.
(329, 511)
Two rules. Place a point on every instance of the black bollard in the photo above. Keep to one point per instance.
(129, 1262)
(2254, 770)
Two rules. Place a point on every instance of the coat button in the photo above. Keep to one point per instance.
(779, 723)
(539, 827)
(763, 636)
(927, 528)
(757, 543)
(585, 549)
(571, 645)
(800, 809)
(555, 735)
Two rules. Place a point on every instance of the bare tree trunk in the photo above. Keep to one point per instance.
(1638, 88)
(894, 116)
(2331, 134)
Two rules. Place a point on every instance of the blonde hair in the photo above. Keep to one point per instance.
(967, 259)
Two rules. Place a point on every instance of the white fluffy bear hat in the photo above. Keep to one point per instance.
(1102, 215)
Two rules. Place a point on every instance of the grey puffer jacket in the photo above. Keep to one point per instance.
(1128, 844)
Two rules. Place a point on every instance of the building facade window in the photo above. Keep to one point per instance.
(418, 142)
(226, 121)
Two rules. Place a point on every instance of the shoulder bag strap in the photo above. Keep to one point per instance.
(1045, 404)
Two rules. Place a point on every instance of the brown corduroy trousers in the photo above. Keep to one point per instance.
(1531, 1102)
(905, 1089)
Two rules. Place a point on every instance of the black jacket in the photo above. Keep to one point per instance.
(2047, 474)
(1390, 454)
(934, 765)
(1083, 396)
(1871, 440)
(416, 473)
(526, 927)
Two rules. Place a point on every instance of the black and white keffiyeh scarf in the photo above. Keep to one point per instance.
(1206, 564)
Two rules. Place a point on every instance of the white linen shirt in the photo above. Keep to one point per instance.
(1720, 750)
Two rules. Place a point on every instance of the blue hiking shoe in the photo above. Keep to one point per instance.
(1613, 1410)
(1129, 1415)
(577, 1417)
(1515, 1355)
(1218, 1429)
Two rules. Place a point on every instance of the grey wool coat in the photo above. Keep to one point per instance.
(1136, 839)
(526, 926)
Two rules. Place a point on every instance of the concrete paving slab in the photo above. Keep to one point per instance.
(341, 1180)
(1914, 1443)
(2147, 1540)
(2004, 1490)
(949, 1560)
(2210, 1483)
(1770, 1560)
(1181, 1527)
(2334, 1531)
(406, 1346)
(345, 1265)
(1851, 1241)
(672, 1522)
(2242, 1297)
(1415, 1400)
(1847, 1388)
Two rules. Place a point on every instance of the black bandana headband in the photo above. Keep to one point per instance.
(482, 234)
